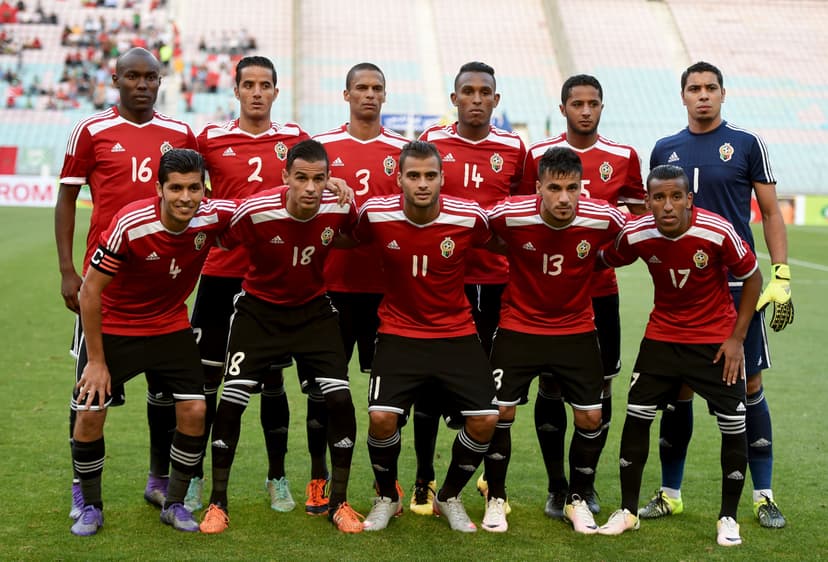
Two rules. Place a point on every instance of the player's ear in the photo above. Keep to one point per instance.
(285, 175)
(275, 93)
(496, 99)
(724, 92)
(159, 189)
(562, 109)
(453, 99)
(647, 202)
(537, 186)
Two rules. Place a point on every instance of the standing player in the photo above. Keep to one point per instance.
(547, 326)
(427, 339)
(694, 335)
(364, 154)
(245, 156)
(484, 164)
(612, 172)
(727, 164)
(116, 152)
(135, 320)
(283, 312)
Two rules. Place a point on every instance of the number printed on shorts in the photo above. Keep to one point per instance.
(498, 378)
(303, 256)
(234, 364)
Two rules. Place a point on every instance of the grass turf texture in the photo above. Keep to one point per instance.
(35, 465)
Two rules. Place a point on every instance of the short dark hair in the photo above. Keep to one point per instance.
(181, 160)
(349, 78)
(701, 66)
(421, 150)
(474, 66)
(668, 172)
(560, 161)
(307, 150)
(254, 60)
(580, 80)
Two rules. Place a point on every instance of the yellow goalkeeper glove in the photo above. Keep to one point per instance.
(778, 292)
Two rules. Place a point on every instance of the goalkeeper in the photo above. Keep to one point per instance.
(727, 165)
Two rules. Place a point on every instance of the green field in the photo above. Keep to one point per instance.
(35, 464)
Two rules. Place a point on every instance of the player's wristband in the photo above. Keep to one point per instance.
(781, 271)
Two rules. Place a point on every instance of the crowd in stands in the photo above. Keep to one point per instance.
(93, 43)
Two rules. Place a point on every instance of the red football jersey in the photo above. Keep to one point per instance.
(692, 301)
(287, 255)
(240, 165)
(486, 171)
(423, 265)
(118, 159)
(155, 270)
(548, 291)
(370, 168)
(612, 172)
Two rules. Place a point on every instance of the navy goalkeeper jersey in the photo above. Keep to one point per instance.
(722, 166)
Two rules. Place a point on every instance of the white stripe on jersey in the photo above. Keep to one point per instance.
(706, 234)
(604, 144)
(495, 135)
(200, 220)
(280, 214)
(729, 231)
(215, 130)
(113, 243)
(399, 215)
(763, 149)
(464, 206)
(72, 144)
(385, 137)
(145, 230)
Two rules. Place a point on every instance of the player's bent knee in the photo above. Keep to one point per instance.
(383, 424)
(89, 425)
(589, 420)
(754, 383)
(189, 416)
(481, 428)
(507, 412)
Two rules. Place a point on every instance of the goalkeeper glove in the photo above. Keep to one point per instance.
(778, 292)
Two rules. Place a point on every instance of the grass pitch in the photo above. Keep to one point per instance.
(36, 381)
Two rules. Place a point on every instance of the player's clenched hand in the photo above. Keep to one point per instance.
(734, 360)
(339, 187)
(69, 286)
(94, 385)
(778, 292)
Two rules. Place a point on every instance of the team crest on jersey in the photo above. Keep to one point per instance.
(166, 147)
(327, 235)
(700, 259)
(390, 165)
(726, 152)
(199, 240)
(447, 247)
(583, 249)
(605, 170)
(281, 150)
(497, 162)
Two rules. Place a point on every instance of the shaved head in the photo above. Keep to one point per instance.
(135, 53)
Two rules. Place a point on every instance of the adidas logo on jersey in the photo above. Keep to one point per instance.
(337, 162)
(736, 475)
(673, 158)
(654, 259)
(220, 444)
(344, 443)
(152, 257)
(740, 407)
(448, 157)
(118, 148)
(228, 152)
(393, 245)
(277, 240)
(529, 246)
